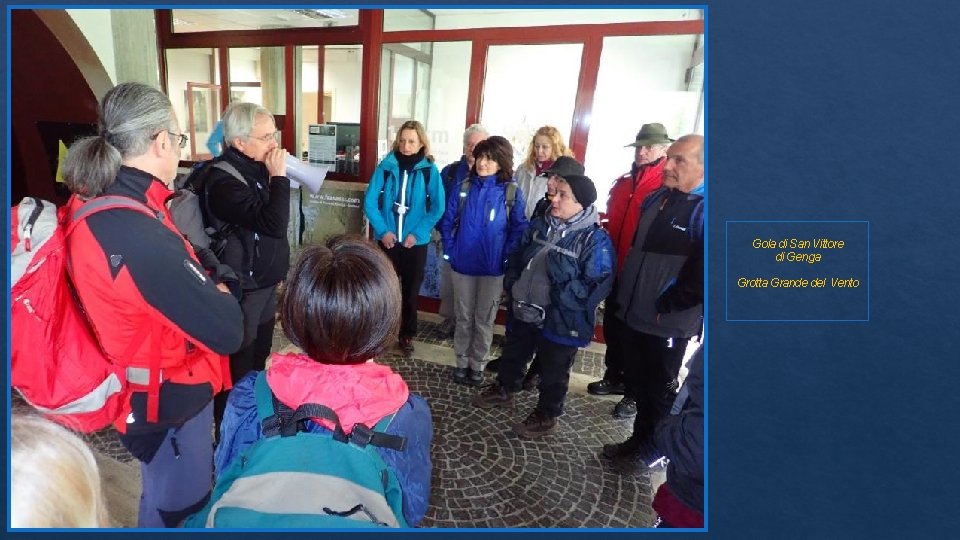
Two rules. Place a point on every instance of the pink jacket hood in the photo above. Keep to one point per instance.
(358, 393)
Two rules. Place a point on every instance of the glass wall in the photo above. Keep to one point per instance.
(641, 80)
(430, 19)
(338, 101)
(193, 86)
(427, 86)
(519, 98)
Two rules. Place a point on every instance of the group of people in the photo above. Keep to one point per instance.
(196, 323)
(532, 237)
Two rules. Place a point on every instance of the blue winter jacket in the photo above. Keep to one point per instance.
(241, 428)
(417, 221)
(577, 285)
(486, 235)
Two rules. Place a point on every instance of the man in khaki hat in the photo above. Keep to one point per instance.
(623, 214)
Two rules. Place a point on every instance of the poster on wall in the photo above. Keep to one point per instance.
(323, 144)
(336, 209)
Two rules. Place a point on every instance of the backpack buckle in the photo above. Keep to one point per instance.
(361, 435)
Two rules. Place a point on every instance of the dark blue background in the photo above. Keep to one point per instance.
(836, 110)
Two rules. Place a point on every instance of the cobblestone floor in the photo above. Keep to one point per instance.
(487, 477)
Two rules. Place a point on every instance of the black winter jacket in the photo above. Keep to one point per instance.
(260, 208)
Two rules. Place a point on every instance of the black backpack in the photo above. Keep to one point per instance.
(190, 209)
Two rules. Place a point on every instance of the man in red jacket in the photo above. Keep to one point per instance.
(623, 214)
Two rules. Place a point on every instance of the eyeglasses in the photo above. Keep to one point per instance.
(268, 137)
(183, 138)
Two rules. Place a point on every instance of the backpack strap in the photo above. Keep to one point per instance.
(464, 191)
(511, 197)
(277, 419)
(427, 175)
(217, 229)
(108, 202)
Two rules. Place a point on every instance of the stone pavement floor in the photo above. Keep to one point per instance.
(484, 476)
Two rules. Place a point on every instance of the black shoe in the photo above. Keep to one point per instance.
(626, 408)
(604, 387)
(615, 450)
(493, 365)
(536, 424)
(406, 345)
(645, 457)
(474, 377)
(531, 380)
(460, 375)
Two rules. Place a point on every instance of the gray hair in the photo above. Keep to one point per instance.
(239, 118)
(129, 116)
(474, 128)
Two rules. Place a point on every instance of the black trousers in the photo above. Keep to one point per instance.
(613, 328)
(554, 361)
(651, 368)
(409, 264)
(259, 317)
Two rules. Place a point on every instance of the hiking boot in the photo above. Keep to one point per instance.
(536, 424)
(531, 380)
(625, 408)
(645, 457)
(474, 377)
(493, 365)
(406, 345)
(460, 375)
(492, 396)
(615, 450)
(604, 387)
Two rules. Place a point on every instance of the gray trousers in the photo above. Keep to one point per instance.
(476, 300)
(446, 291)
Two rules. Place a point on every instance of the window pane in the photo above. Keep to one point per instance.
(516, 102)
(196, 67)
(339, 99)
(208, 20)
(257, 76)
(641, 80)
(440, 98)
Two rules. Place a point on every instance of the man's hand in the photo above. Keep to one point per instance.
(410, 241)
(223, 288)
(388, 240)
(276, 163)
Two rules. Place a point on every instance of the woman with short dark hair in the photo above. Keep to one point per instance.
(341, 306)
(483, 223)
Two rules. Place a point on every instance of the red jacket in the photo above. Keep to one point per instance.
(623, 205)
(151, 304)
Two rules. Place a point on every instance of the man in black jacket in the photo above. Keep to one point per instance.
(257, 206)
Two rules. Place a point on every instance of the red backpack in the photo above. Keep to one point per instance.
(57, 364)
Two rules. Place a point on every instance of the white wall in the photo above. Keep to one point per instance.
(96, 26)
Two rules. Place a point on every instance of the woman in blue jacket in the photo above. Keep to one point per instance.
(404, 201)
(483, 222)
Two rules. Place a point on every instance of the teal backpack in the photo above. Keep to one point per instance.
(292, 478)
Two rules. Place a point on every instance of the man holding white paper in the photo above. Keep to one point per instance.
(256, 211)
